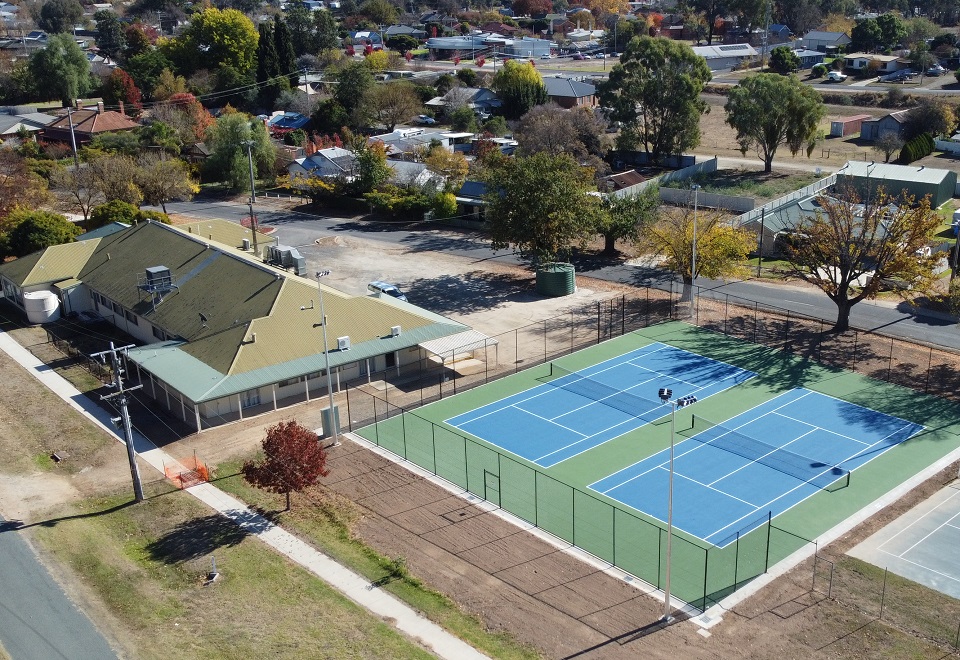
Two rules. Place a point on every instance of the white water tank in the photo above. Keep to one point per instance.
(41, 306)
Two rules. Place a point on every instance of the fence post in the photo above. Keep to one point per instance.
(890, 360)
(766, 563)
(926, 385)
(646, 323)
(736, 559)
(598, 321)
(883, 594)
(516, 350)
(623, 314)
(856, 337)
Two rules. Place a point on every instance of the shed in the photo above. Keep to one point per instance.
(847, 125)
(918, 181)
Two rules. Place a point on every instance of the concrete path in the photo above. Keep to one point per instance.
(354, 586)
(37, 619)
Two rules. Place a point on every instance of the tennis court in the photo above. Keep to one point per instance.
(574, 412)
(727, 481)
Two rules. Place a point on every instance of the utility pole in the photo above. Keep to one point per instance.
(121, 396)
(253, 196)
(766, 36)
(73, 140)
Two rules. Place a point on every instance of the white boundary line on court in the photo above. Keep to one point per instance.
(714, 615)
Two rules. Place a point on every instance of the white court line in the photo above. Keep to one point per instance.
(550, 421)
(716, 490)
(931, 533)
(820, 428)
(632, 420)
(923, 566)
(754, 461)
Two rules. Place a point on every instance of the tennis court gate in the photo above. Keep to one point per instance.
(702, 573)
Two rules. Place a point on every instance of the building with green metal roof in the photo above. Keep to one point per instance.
(220, 334)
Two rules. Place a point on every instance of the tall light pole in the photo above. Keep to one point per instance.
(693, 261)
(326, 357)
(253, 194)
(665, 394)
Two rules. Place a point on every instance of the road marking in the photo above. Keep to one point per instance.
(795, 302)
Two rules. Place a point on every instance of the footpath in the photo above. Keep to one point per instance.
(352, 585)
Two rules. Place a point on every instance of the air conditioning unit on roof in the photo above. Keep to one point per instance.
(343, 343)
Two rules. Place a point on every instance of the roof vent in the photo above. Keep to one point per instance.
(343, 343)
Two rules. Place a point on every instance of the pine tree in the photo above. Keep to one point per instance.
(286, 56)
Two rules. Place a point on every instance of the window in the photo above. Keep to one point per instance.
(158, 333)
(130, 316)
(288, 382)
(118, 309)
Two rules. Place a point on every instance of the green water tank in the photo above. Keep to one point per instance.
(556, 279)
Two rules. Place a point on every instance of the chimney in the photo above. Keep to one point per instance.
(77, 105)
(99, 107)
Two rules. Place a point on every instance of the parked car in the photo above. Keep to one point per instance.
(836, 76)
(899, 76)
(578, 56)
(482, 115)
(426, 120)
(386, 289)
(936, 70)
(588, 56)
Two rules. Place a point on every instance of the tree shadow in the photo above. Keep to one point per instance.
(471, 292)
(17, 525)
(196, 538)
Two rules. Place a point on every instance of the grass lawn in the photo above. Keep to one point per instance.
(325, 521)
(148, 564)
(749, 183)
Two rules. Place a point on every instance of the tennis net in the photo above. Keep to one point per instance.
(801, 467)
(577, 383)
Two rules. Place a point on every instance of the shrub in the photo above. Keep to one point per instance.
(917, 148)
(445, 205)
(819, 71)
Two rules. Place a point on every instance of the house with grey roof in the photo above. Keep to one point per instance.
(725, 56)
(569, 93)
(32, 122)
(331, 162)
(220, 335)
(825, 42)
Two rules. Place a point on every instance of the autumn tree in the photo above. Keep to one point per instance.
(169, 84)
(851, 249)
(933, 115)
(655, 92)
(451, 165)
(394, 103)
(579, 132)
(519, 87)
(119, 87)
(186, 115)
(293, 459)
(625, 216)
(19, 186)
(164, 180)
(768, 110)
(34, 230)
(540, 205)
(76, 190)
(721, 247)
(114, 176)
(532, 7)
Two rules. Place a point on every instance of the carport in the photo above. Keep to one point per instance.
(459, 352)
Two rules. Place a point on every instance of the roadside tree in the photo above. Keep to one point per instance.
(161, 181)
(293, 459)
(721, 247)
(114, 177)
(851, 250)
(655, 92)
(624, 218)
(768, 110)
(451, 165)
(76, 190)
(228, 161)
(115, 211)
(540, 205)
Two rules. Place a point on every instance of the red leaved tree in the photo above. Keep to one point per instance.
(293, 459)
(118, 87)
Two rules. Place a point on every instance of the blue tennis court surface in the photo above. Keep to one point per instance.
(766, 460)
(576, 412)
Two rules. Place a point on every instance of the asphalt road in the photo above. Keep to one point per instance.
(298, 229)
(37, 619)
